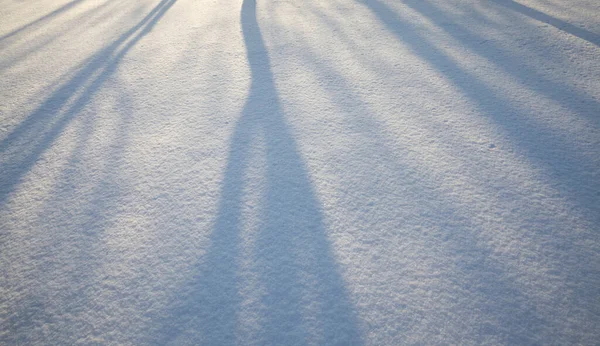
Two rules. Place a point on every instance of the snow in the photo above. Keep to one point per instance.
(371, 172)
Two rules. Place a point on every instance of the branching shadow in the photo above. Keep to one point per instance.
(555, 22)
(302, 299)
(29, 140)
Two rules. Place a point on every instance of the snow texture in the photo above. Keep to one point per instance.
(277, 172)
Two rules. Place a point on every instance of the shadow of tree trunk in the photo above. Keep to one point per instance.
(302, 298)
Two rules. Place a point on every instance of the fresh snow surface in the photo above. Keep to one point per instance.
(319, 172)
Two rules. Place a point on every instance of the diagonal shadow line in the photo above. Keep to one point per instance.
(290, 242)
(44, 18)
(555, 22)
(570, 171)
(501, 298)
(77, 240)
(566, 95)
(81, 20)
(33, 136)
(502, 301)
(517, 313)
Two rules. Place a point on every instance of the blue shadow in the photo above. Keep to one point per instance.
(24, 146)
(302, 299)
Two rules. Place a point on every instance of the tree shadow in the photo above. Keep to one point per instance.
(43, 34)
(24, 146)
(469, 262)
(298, 296)
(555, 22)
(565, 167)
(42, 19)
(561, 165)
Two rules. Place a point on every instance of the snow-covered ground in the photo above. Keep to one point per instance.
(285, 172)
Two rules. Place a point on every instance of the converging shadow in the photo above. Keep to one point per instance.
(24, 146)
(288, 291)
(555, 22)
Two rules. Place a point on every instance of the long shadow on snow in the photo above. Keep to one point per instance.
(493, 296)
(43, 18)
(569, 171)
(555, 22)
(72, 238)
(32, 42)
(23, 147)
(573, 174)
(302, 298)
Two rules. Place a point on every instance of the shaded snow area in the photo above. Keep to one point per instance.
(319, 172)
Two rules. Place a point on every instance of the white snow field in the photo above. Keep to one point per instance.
(318, 172)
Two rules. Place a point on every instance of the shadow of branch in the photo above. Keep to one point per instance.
(22, 148)
(555, 22)
(42, 19)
